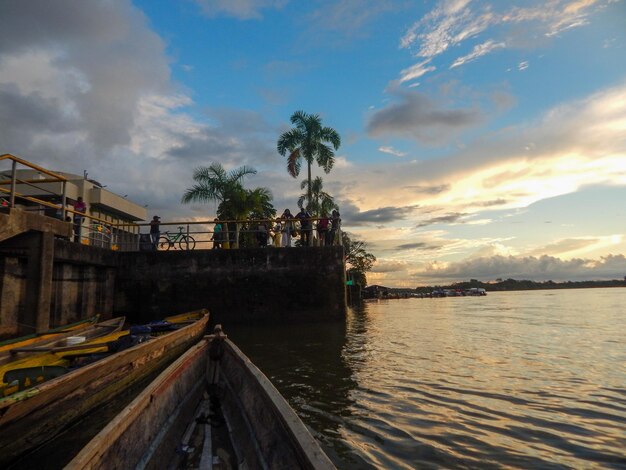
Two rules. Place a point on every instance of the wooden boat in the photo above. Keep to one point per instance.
(33, 416)
(86, 334)
(45, 337)
(212, 406)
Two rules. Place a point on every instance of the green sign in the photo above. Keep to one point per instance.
(350, 283)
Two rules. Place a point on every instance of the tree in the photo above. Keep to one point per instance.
(213, 183)
(358, 259)
(310, 141)
(321, 203)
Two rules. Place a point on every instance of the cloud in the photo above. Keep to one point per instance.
(349, 17)
(100, 51)
(452, 22)
(478, 51)
(377, 216)
(522, 65)
(392, 151)
(425, 189)
(416, 71)
(417, 117)
(413, 246)
(541, 268)
(240, 9)
(443, 219)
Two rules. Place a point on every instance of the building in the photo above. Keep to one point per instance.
(110, 218)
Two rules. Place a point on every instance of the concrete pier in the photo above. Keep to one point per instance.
(46, 281)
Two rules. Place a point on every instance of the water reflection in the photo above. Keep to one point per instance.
(532, 379)
(306, 363)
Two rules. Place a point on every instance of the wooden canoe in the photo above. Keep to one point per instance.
(33, 416)
(181, 418)
(45, 337)
(89, 333)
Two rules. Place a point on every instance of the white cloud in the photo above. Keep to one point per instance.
(478, 51)
(416, 71)
(240, 9)
(453, 22)
(391, 151)
(522, 65)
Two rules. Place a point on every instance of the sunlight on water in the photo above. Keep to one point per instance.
(515, 379)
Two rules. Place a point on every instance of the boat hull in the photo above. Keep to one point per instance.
(34, 416)
(147, 433)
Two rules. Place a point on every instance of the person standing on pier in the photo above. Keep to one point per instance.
(287, 220)
(217, 234)
(155, 231)
(305, 226)
(334, 237)
(80, 209)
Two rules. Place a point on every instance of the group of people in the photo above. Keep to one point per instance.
(283, 230)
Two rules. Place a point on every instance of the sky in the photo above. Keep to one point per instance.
(480, 139)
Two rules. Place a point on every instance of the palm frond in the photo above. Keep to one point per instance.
(325, 157)
(328, 134)
(293, 163)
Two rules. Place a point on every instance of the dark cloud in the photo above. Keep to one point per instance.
(420, 245)
(417, 117)
(436, 189)
(32, 112)
(495, 202)
(107, 44)
(444, 219)
(381, 215)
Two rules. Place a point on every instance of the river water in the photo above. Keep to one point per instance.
(533, 379)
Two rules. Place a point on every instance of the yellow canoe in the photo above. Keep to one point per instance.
(50, 335)
(33, 416)
(41, 363)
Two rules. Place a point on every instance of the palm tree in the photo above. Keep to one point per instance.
(321, 203)
(213, 183)
(310, 141)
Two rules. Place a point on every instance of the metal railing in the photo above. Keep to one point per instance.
(13, 181)
(233, 234)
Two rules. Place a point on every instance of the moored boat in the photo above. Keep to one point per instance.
(212, 406)
(84, 334)
(37, 339)
(35, 415)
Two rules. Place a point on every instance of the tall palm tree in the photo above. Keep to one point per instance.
(213, 183)
(310, 141)
(321, 202)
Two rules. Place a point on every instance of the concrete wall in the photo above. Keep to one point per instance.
(82, 284)
(246, 285)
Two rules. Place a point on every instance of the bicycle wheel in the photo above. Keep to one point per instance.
(164, 244)
(187, 239)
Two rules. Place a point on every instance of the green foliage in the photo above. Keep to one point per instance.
(512, 284)
(213, 183)
(321, 202)
(358, 259)
(308, 141)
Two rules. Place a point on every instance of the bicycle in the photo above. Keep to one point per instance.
(185, 242)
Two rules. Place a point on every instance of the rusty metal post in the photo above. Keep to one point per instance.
(13, 181)
(64, 201)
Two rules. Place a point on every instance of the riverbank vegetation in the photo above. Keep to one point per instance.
(513, 284)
